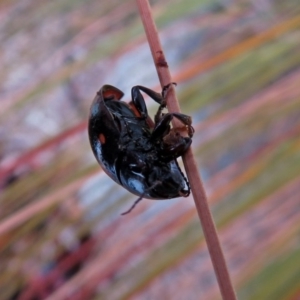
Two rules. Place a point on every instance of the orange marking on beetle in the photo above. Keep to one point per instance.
(111, 94)
(137, 114)
(133, 108)
(102, 138)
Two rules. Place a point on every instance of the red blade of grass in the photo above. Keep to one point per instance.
(209, 229)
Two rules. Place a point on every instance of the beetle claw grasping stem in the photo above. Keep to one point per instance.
(166, 88)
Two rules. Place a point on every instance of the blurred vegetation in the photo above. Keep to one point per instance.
(237, 65)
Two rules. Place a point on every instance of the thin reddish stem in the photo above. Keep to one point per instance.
(191, 168)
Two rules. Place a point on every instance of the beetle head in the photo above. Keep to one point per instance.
(154, 181)
(171, 182)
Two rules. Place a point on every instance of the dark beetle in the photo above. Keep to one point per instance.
(134, 151)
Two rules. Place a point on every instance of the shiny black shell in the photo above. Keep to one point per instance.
(121, 139)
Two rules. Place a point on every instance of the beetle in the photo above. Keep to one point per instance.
(134, 151)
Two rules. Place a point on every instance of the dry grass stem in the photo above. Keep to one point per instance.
(191, 168)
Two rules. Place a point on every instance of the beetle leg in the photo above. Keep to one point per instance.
(166, 89)
(138, 101)
(161, 122)
(162, 127)
(186, 120)
(157, 97)
(174, 145)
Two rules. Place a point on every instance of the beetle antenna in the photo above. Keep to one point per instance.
(140, 198)
(133, 205)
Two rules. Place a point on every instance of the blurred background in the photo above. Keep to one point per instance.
(237, 66)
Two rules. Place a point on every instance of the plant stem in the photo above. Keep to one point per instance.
(209, 229)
